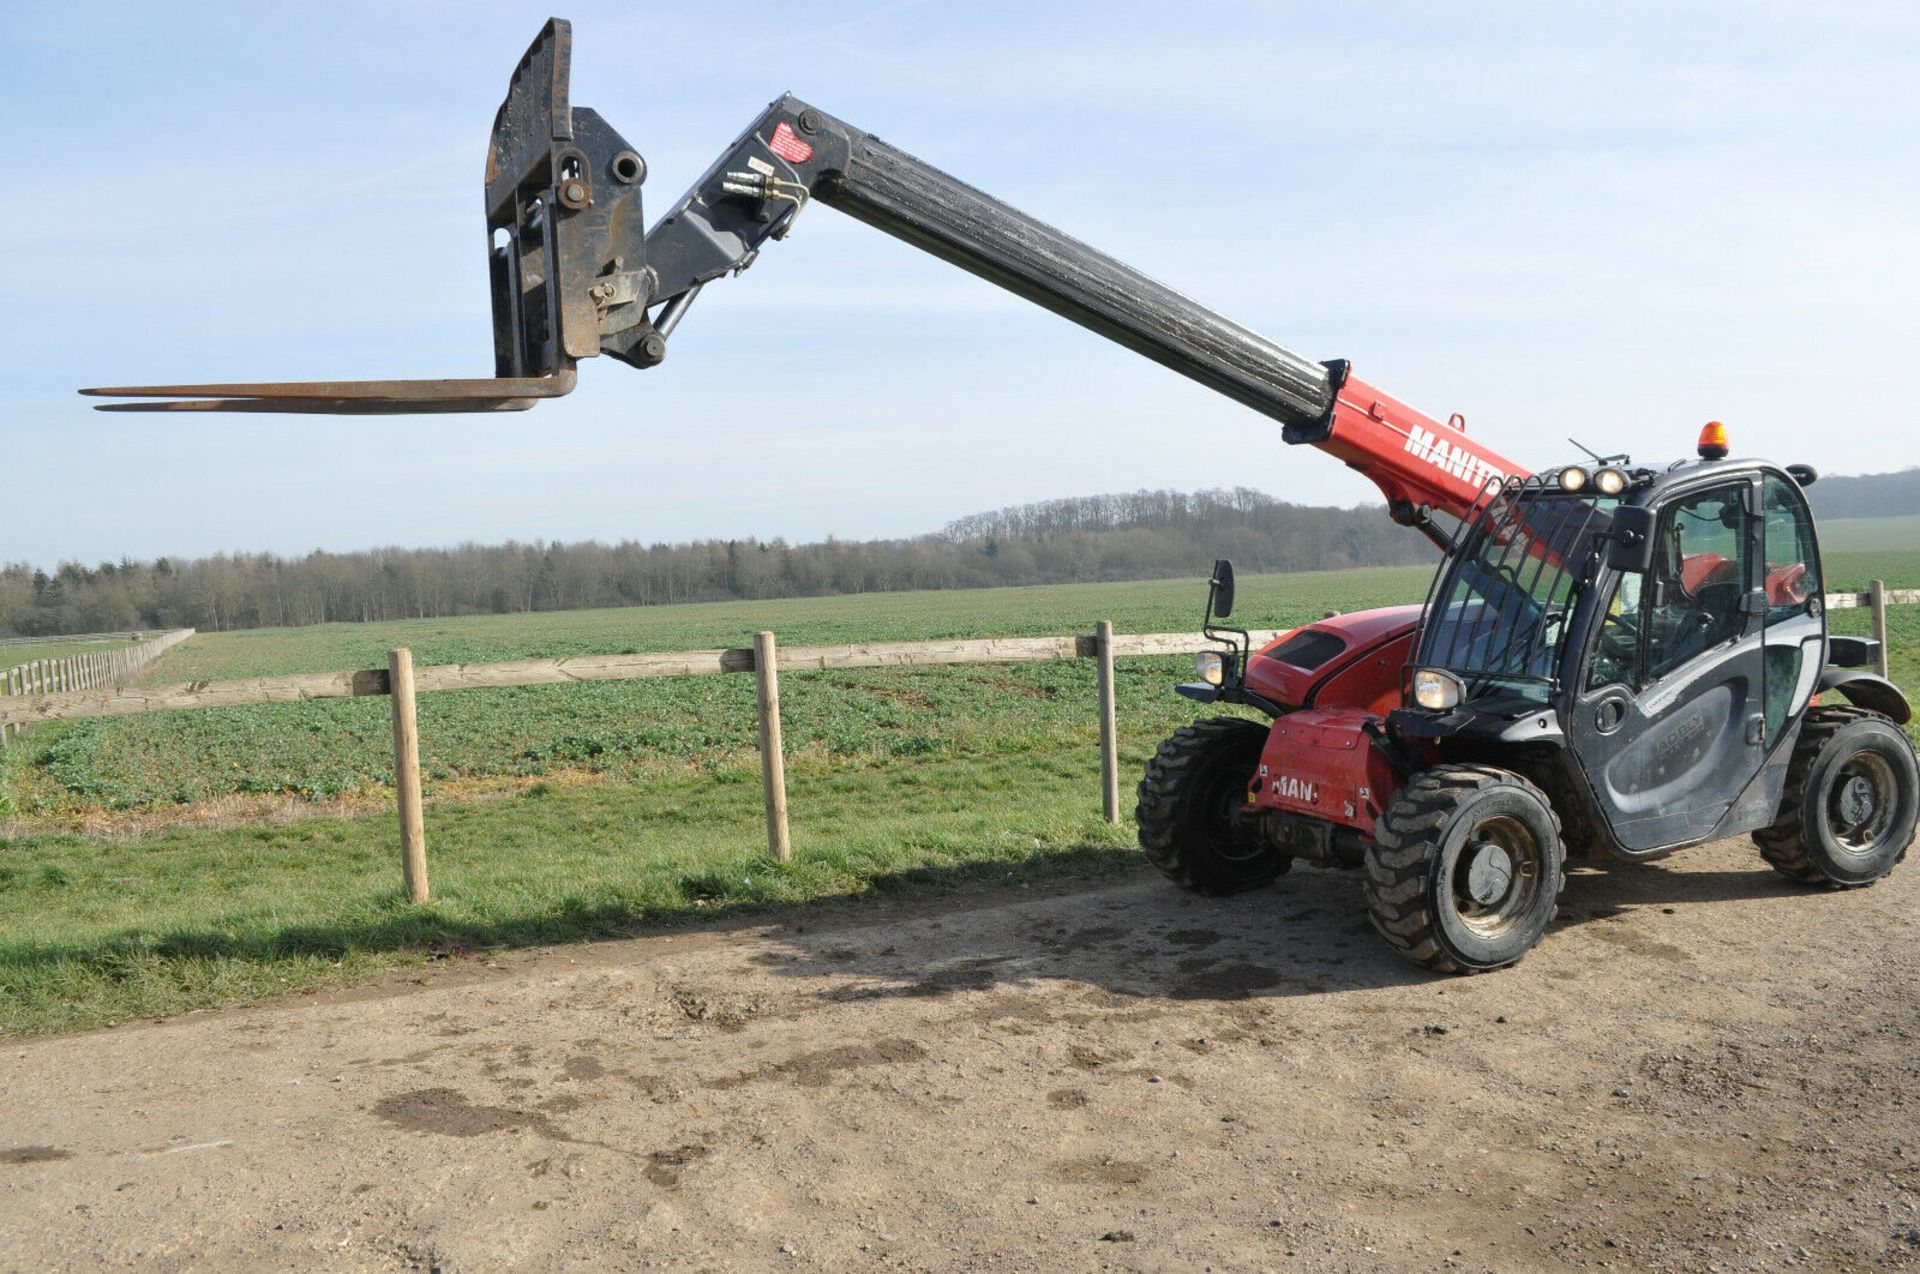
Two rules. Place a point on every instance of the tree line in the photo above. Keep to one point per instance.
(1867, 495)
(1134, 535)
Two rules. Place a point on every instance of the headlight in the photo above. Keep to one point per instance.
(1211, 667)
(1436, 690)
(1610, 481)
(1573, 478)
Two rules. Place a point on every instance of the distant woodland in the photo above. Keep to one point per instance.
(1867, 495)
(1138, 535)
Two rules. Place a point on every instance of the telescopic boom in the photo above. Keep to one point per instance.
(574, 275)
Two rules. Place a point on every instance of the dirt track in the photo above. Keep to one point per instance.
(1118, 1078)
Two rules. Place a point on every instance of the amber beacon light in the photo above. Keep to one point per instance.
(1713, 441)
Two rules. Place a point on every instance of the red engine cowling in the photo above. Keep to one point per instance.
(1340, 677)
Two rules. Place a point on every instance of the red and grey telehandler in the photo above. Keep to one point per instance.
(1614, 658)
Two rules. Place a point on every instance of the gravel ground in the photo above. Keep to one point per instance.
(1702, 1068)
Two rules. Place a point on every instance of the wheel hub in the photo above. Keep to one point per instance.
(1857, 800)
(1489, 873)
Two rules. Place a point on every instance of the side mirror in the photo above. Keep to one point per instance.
(1631, 548)
(1220, 589)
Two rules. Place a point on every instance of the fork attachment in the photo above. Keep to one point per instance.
(567, 251)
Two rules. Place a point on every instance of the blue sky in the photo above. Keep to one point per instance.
(1610, 221)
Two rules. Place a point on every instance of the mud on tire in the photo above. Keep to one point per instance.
(1191, 803)
(1852, 795)
(1466, 868)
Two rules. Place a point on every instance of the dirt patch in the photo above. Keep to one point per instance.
(1699, 1068)
(1105, 1171)
(581, 1066)
(730, 1011)
(665, 1166)
(1081, 1057)
(821, 1067)
(18, 1155)
(448, 1112)
(1236, 978)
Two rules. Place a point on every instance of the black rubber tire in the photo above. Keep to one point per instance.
(1416, 869)
(1809, 842)
(1190, 808)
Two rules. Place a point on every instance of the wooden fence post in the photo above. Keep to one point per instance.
(1109, 740)
(406, 773)
(773, 765)
(1877, 597)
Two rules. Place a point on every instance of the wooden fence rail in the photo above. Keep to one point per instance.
(85, 671)
(128, 636)
(432, 678)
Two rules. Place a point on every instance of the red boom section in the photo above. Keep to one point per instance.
(1415, 460)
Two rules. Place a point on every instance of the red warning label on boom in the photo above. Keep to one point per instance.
(787, 144)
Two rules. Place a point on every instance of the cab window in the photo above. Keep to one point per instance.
(1792, 583)
(1699, 579)
(1616, 655)
(1793, 564)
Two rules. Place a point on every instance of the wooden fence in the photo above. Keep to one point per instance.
(1878, 597)
(765, 659)
(127, 637)
(88, 670)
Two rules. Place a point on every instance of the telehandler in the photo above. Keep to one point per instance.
(1613, 659)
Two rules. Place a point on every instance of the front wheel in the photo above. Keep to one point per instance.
(1465, 869)
(1192, 811)
(1851, 802)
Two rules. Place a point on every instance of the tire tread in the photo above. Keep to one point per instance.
(1783, 844)
(1397, 862)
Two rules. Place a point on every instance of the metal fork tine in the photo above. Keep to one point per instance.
(347, 397)
(329, 406)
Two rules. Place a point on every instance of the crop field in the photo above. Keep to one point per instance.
(52, 648)
(159, 863)
(1855, 535)
(334, 748)
(1273, 601)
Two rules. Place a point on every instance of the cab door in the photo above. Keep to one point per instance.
(1669, 720)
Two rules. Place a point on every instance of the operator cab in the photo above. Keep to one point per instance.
(1655, 634)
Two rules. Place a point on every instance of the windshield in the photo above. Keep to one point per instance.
(1500, 609)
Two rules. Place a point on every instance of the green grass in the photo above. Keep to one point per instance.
(97, 932)
(901, 782)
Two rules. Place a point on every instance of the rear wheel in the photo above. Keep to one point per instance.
(1852, 799)
(1466, 868)
(1192, 809)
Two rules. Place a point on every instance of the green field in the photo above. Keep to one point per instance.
(1266, 601)
(1855, 535)
(612, 806)
(337, 747)
(52, 648)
